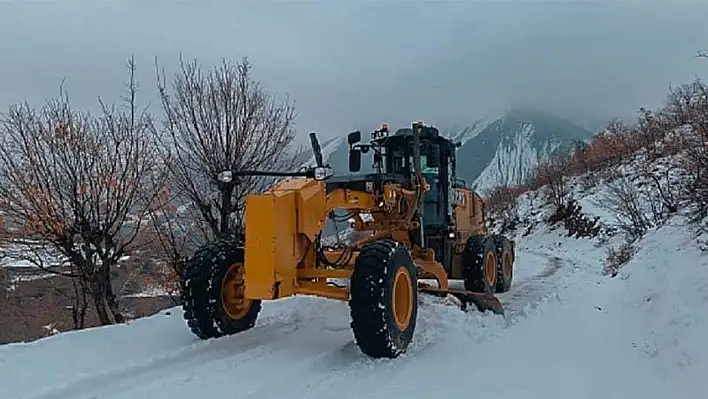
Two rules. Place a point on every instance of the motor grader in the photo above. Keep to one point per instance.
(415, 221)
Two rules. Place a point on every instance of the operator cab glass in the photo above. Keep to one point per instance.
(427, 170)
(398, 159)
(393, 160)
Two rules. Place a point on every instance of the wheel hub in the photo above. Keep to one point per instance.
(402, 298)
(232, 293)
(506, 266)
(491, 269)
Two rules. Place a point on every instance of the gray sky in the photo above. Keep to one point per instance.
(354, 64)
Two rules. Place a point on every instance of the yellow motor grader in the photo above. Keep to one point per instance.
(414, 219)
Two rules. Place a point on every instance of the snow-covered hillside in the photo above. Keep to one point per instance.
(507, 150)
(570, 331)
(515, 158)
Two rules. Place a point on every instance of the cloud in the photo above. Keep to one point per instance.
(354, 64)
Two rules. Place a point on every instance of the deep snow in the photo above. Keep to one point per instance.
(569, 332)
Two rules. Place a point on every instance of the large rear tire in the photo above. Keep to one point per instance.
(505, 263)
(213, 301)
(479, 264)
(384, 299)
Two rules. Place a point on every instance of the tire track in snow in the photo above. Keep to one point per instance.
(284, 341)
(253, 344)
(436, 315)
(528, 294)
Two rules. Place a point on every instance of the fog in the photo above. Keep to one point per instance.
(352, 65)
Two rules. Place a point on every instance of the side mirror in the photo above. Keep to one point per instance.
(354, 137)
(355, 160)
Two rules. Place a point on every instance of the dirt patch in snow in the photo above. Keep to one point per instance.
(34, 305)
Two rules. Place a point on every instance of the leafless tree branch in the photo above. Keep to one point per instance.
(221, 120)
(82, 183)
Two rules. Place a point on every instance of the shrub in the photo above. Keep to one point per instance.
(625, 201)
(501, 203)
(575, 221)
(618, 257)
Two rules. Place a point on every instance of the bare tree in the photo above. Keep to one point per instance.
(627, 203)
(81, 183)
(502, 204)
(552, 174)
(173, 234)
(219, 121)
(687, 106)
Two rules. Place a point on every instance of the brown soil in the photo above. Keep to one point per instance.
(31, 309)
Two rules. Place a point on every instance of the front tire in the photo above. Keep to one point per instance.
(213, 286)
(384, 299)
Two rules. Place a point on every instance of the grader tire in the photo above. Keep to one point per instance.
(384, 299)
(212, 301)
(505, 263)
(479, 264)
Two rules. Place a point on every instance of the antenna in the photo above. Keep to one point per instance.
(316, 149)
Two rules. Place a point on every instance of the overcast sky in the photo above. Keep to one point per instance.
(354, 64)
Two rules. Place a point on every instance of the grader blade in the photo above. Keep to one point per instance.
(482, 302)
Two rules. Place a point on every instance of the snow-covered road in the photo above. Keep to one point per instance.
(565, 335)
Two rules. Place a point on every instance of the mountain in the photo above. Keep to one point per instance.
(506, 150)
(494, 150)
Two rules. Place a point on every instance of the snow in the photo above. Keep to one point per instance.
(513, 162)
(492, 115)
(18, 279)
(569, 331)
(151, 291)
(474, 130)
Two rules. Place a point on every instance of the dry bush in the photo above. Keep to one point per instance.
(626, 202)
(501, 204)
(552, 177)
(611, 147)
(175, 233)
(617, 257)
(664, 195)
(650, 130)
(576, 223)
(687, 106)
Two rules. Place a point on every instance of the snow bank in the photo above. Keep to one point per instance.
(569, 332)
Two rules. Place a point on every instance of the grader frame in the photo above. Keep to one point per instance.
(283, 255)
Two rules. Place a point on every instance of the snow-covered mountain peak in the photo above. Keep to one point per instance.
(506, 150)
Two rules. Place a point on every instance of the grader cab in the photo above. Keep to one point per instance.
(416, 221)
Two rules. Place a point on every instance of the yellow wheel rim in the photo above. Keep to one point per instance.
(402, 298)
(506, 265)
(491, 268)
(232, 293)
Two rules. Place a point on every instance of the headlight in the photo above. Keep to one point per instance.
(225, 176)
(322, 172)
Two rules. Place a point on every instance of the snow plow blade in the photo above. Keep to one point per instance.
(482, 301)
